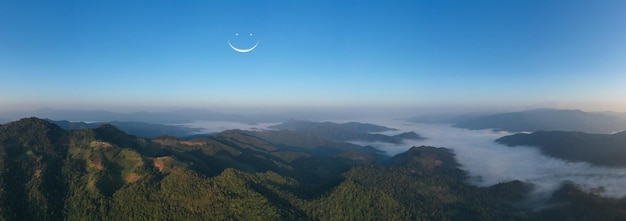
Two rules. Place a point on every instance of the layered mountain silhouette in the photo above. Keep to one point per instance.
(546, 120)
(351, 131)
(350, 126)
(148, 130)
(599, 149)
(171, 117)
(612, 113)
(48, 173)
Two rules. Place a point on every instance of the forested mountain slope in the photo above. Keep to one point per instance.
(47, 173)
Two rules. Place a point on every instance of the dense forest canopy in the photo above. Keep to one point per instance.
(47, 173)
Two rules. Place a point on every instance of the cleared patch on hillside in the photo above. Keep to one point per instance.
(132, 177)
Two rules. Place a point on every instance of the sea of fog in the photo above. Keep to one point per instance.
(487, 162)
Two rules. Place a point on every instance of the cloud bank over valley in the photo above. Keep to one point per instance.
(490, 163)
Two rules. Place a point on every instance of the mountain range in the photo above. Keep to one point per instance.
(171, 117)
(545, 120)
(47, 173)
(523, 121)
(599, 149)
(332, 131)
(351, 131)
(147, 130)
(613, 113)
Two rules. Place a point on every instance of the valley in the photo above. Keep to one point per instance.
(103, 173)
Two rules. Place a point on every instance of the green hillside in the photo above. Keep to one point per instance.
(47, 173)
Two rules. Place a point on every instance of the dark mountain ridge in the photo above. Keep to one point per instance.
(351, 131)
(298, 141)
(147, 130)
(180, 116)
(599, 149)
(546, 120)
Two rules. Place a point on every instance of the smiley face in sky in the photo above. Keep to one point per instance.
(243, 50)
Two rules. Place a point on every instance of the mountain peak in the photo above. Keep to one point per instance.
(423, 155)
(427, 160)
(32, 123)
(109, 129)
(32, 120)
(35, 133)
(114, 135)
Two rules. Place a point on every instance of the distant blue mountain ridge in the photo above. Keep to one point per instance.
(539, 120)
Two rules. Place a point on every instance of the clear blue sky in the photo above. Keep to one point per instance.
(138, 55)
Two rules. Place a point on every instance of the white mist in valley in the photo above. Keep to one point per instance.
(489, 163)
(208, 127)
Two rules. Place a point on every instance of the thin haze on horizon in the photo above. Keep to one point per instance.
(140, 55)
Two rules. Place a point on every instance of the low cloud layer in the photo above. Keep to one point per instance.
(489, 163)
(208, 127)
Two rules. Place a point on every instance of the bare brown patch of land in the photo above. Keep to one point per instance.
(132, 177)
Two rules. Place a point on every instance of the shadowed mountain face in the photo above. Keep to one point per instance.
(346, 132)
(599, 149)
(47, 173)
(546, 120)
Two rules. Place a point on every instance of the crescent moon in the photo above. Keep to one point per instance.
(243, 50)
